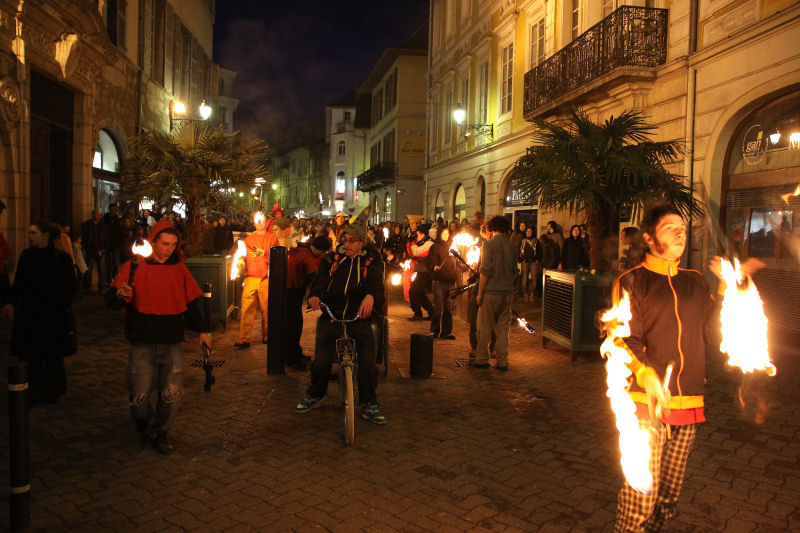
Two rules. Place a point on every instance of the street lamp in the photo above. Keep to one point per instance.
(459, 114)
(177, 108)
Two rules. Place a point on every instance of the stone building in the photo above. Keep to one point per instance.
(721, 76)
(396, 138)
(301, 180)
(78, 78)
(347, 122)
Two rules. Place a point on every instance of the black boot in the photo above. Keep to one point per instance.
(162, 443)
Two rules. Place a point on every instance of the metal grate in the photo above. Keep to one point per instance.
(462, 362)
(780, 291)
(558, 306)
(764, 197)
(216, 364)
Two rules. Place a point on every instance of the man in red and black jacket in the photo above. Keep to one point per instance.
(159, 294)
(674, 320)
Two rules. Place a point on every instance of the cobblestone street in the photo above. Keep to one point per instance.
(533, 449)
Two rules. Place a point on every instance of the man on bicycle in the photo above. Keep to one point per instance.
(350, 282)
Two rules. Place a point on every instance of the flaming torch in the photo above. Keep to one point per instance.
(238, 257)
(785, 197)
(258, 217)
(634, 439)
(385, 234)
(397, 279)
(141, 249)
(305, 239)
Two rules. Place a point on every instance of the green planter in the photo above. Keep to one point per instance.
(216, 270)
(570, 303)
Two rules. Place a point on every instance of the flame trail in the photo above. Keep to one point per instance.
(238, 257)
(744, 325)
(397, 279)
(634, 439)
(785, 197)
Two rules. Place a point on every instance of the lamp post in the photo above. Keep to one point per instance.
(460, 114)
(177, 108)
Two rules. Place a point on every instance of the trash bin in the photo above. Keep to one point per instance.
(421, 358)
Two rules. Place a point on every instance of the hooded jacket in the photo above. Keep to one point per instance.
(674, 319)
(165, 296)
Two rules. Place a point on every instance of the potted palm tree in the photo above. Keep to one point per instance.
(603, 172)
(200, 167)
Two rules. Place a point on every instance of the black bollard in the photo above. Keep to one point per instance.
(19, 452)
(208, 368)
(276, 310)
(421, 357)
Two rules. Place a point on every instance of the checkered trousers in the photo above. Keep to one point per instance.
(669, 451)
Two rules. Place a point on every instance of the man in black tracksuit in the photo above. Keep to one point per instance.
(350, 282)
(674, 320)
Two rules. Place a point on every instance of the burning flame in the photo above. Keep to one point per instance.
(238, 257)
(396, 279)
(413, 276)
(259, 217)
(406, 264)
(385, 233)
(305, 239)
(463, 240)
(634, 440)
(744, 325)
(785, 197)
(141, 247)
(473, 256)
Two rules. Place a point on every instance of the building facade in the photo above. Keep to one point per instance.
(721, 76)
(225, 99)
(347, 123)
(396, 137)
(301, 179)
(77, 80)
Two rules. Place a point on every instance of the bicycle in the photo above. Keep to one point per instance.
(347, 358)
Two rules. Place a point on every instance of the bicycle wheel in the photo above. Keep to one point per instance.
(349, 404)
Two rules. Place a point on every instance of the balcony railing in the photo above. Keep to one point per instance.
(377, 176)
(630, 36)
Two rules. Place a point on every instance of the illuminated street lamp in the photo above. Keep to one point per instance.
(274, 186)
(460, 114)
(177, 108)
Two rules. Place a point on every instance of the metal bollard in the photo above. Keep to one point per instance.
(19, 449)
(208, 367)
(276, 310)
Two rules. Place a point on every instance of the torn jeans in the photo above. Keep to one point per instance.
(155, 369)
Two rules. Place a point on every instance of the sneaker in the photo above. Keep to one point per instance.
(450, 337)
(162, 443)
(373, 413)
(241, 345)
(307, 403)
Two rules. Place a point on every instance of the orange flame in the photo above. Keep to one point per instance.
(785, 197)
(238, 258)
(413, 276)
(259, 217)
(385, 233)
(396, 279)
(463, 240)
(305, 239)
(406, 264)
(473, 256)
(744, 325)
(634, 439)
(141, 247)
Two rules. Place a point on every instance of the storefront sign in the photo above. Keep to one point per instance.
(754, 145)
(412, 147)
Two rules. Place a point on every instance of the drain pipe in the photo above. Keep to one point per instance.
(691, 96)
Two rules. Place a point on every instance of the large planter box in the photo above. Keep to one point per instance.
(215, 269)
(570, 303)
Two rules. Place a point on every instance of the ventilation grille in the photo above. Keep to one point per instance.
(780, 291)
(557, 310)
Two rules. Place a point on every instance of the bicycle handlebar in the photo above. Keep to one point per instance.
(327, 309)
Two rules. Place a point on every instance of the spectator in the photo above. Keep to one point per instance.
(303, 262)
(633, 251)
(418, 251)
(113, 222)
(444, 274)
(223, 236)
(62, 241)
(80, 259)
(529, 258)
(157, 294)
(498, 275)
(95, 243)
(551, 241)
(39, 302)
(585, 241)
(573, 254)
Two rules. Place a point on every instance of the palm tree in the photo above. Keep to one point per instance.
(603, 171)
(196, 165)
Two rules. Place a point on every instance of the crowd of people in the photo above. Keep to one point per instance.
(344, 264)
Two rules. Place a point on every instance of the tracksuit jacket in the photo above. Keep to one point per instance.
(674, 320)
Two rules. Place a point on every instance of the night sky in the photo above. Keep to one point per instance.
(293, 58)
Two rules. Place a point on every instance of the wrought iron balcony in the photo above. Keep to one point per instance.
(628, 37)
(377, 176)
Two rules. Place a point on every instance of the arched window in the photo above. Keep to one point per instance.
(342, 148)
(460, 203)
(387, 208)
(483, 195)
(106, 167)
(439, 209)
(105, 154)
(341, 186)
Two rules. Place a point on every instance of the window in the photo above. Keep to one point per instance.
(439, 207)
(609, 6)
(388, 147)
(115, 21)
(576, 18)
(448, 122)
(483, 103)
(377, 106)
(105, 154)
(375, 154)
(435, 125)
(387, 208)
(507, 78)
(355, 189)
(341, 148)
(466, 6)
(158, 35)
(341, 185)
(465, 98)
(460, 203)
(347, 116)
(390, 92)
(537, 43)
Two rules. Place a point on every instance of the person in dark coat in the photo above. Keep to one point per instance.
(223, 236)
(39, 303)
(444, 274)
(95, 245)
(573, 254)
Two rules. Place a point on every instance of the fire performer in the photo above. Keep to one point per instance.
(421, 278)
(158, 291)
(256, 281)
(673, 318)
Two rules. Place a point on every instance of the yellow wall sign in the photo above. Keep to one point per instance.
(412, 147)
